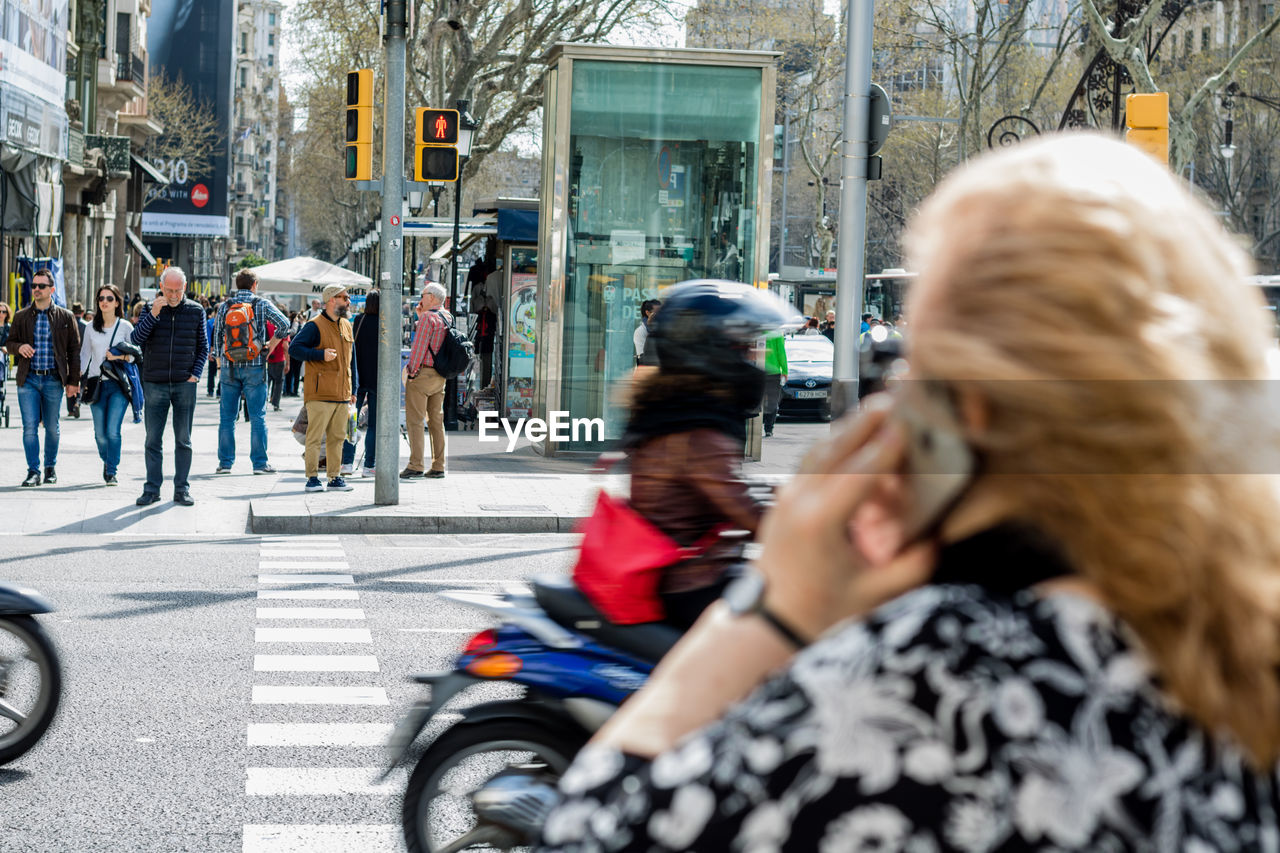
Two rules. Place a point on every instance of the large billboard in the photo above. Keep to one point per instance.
(33, 83)
(193, 42)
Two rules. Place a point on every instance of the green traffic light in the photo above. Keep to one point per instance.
(351, 163)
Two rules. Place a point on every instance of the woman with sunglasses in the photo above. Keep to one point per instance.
(107, 330)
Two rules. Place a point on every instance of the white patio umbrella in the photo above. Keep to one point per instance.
(309, 276)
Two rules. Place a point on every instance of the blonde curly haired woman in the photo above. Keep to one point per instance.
(1085, 656)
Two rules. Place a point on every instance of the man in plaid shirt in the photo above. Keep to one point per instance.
(424, 388)
(247, 379)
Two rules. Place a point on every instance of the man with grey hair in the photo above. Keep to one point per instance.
(175, 348)
(424, 387)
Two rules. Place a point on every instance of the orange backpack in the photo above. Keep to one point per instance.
(238, 341)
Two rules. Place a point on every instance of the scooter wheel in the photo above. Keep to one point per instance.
(437, 811)
(30, 685)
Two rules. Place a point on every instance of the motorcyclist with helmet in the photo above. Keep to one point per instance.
(688, 428)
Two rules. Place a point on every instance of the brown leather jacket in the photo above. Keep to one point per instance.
(66, 342)
(687, 483)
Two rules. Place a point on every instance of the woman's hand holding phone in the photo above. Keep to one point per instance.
(832, 546)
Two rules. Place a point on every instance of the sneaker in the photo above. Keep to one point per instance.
(337, 484)
(368, 472)
(434, 475)
(110, 480)
(33, 479)
(314, 485)
(347, 470)
(184, 499)
(50, 476)
(410, 474)
(265, 469)
(223, 469)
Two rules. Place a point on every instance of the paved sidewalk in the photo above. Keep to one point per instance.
(487, 490)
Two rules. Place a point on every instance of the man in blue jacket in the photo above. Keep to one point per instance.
(175, 348)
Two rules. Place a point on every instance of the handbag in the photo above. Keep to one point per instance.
(621, 560)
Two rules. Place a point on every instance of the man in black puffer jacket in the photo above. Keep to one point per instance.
(175, 347)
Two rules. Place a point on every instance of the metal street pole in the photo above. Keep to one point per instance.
(451, 386)
(386, 485)
(853, 203)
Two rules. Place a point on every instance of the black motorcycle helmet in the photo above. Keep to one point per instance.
(710, 327)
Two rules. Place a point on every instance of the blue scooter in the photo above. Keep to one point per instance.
(561, 669)
(30, 674)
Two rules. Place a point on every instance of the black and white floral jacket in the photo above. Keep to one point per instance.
(956, 718)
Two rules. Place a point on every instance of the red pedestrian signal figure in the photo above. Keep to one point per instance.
(435, 149)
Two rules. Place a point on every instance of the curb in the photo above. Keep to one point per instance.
(372, 521)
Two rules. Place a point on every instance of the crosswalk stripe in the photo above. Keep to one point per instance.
(316, 553)
(306, 577)
(319, 734)
(312, 635)
(310, 613)
(322, 781)
(304, 564)
(311, 594)
(266, 540)
(315, 663)
(298, 694)
(322, 838)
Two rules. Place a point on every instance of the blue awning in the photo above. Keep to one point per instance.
(518, 226)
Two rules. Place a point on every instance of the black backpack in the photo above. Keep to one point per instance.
(455, 354)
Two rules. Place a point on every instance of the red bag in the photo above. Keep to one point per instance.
(621, 562)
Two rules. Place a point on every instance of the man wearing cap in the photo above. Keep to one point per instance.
(327, 344)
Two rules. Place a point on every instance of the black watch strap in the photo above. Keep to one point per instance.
(781, 627)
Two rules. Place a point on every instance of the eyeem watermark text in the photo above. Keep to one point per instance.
(560, 427)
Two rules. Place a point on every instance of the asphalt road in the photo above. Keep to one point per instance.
(170, 739)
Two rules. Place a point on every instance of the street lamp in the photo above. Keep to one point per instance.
(467, 127)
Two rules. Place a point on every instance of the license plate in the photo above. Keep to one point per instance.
(815, 394)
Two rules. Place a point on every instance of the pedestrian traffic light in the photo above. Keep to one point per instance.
(1146, 121)
(435, 150)
(359, 138)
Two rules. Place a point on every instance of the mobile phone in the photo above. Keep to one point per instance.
(939, 464)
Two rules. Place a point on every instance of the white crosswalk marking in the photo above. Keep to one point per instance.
(322, 838)
(312, 635)
(299, 694)
(347, 613)
(310, 557)
(319, 734)
(321, 782)
(315, 663)
(306, 578)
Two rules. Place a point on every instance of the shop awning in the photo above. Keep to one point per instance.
(447, 246)
(136, 243)
(153, 174)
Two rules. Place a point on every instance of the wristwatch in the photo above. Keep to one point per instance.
(745, 597)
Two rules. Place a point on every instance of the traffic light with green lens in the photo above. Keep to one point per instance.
(435, 150)
(359, 136)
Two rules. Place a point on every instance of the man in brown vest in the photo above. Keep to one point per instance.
(326, 343)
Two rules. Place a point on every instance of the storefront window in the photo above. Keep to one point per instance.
(662, 188)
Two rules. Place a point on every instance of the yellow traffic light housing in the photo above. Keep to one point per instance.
(435, 150)
(359, 132)
(1146, 122)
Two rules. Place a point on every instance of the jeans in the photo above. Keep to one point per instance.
(772, 397)
(364, 396)
(291, 378)
(108, 414)
(249, 381)
(275, 375)
(40, 399)
(211, 371)
(160, 396)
